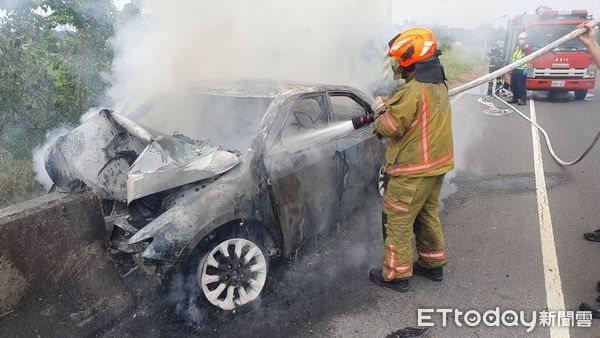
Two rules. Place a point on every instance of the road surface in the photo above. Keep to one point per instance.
(508, 248)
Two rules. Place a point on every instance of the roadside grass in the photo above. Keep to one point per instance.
(463, 64)
(17, 183)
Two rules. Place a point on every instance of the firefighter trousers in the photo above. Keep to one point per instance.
(411, 206)
(518, 84)
(491, 82)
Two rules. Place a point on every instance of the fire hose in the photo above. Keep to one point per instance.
(359, 122)
(547, 137)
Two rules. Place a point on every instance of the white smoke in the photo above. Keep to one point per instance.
(178, 43)
(39, 155)
(159, 55)
(90, 113)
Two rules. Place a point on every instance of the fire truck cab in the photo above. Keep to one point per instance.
(567, 68)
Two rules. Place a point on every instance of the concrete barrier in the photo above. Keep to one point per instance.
(56, 278)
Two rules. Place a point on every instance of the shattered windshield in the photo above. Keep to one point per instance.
(542, 35)
(228, 121)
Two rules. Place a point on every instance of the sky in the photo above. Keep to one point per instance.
(465, 13)
(474, 13)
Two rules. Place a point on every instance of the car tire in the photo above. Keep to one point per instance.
(382, 180)
(232, 271)
(580, 94)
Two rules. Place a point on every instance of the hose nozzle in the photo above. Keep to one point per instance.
(363, 120)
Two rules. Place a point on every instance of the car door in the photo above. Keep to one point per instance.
(305, 172)
(362, 151)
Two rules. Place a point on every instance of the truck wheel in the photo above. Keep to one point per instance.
(233, 272)
(581, 94)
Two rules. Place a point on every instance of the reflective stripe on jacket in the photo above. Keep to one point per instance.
(419, 124)
(520, 53)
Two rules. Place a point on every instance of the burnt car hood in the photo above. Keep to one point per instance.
(125, 161)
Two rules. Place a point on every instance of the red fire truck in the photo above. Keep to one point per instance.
(567, 68)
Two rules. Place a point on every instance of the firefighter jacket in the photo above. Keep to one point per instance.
(495, 55)
(519, 53)
(419, 124)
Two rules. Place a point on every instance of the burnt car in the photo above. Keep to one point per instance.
(278, 177)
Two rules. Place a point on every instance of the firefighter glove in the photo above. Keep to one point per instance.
(380, 105)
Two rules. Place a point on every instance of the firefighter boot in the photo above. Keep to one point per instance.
(593, 307)
(435, 274)
(401, 285)
(593, 236)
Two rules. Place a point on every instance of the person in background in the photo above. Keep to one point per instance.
(590, 41)
(496, 57)
(518, 76)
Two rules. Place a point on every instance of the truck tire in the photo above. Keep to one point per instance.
(580, 94)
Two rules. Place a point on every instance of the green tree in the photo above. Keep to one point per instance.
(51, 71)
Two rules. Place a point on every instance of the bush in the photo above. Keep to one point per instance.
(17, 183)
(461, 60)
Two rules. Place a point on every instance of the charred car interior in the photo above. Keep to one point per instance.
(223, 179)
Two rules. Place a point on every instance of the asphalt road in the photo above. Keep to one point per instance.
(492, 227)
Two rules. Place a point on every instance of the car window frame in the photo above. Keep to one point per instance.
(290, 105)
(351, 95)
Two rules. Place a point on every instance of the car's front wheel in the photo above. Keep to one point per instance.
(382, 180)
(233, 273)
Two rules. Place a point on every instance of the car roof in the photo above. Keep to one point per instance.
(261, 88)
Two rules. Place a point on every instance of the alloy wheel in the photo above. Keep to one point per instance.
(233, 273)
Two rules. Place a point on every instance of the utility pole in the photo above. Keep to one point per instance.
(437, 20)
(389, 11)
(487, 32)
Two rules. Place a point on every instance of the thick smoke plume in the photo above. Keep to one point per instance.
(174, 44)
(178, 43)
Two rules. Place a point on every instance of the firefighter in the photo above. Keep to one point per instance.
(518, 77)
(417, 120)
(590, 41)
(496, 56)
